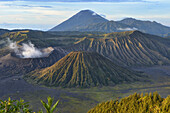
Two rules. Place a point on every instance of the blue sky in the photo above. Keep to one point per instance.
(45, 14)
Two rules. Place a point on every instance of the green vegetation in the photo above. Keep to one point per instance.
(19, 106)
(136, 103)
(80, 100)
(14, 106)
(48, 106)
(83, 69)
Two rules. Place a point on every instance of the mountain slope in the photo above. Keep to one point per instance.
(81, 19)
(2, 31)
(87, 20)
(147, 26)
(28, 35)
(131, 48)
(83, 69)
(108, 27)
(41, 39)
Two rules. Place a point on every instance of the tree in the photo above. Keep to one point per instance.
(150, 103)
(14, 106)
(19, 106)
(48, 106)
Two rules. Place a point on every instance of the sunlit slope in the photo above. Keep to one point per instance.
(83, 69)
(128, 48)
(136, 103)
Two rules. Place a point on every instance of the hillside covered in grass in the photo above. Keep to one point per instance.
(84, 69)
(131, 48)
(136, 103)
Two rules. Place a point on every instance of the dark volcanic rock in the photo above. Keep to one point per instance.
(11, 65)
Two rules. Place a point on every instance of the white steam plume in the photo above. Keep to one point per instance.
(27, 50)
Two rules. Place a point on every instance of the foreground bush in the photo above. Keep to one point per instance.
(14, 106)
(136, 103)
(19, 106)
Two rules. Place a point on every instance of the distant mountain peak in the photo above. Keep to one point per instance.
(129, 18)
(87, 10)
(136, 31)
(146, 26)
(81, 19)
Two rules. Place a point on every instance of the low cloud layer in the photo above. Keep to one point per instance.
(80, 0)
(28, 50)
(127, 29)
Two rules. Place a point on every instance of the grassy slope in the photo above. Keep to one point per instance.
(128, 48)
(137, 103)
(84, 69)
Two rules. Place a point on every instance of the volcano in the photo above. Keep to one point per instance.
(83, 69)
(81, 19)
(12, 64)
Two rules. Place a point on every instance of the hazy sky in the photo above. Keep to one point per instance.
(45, 14)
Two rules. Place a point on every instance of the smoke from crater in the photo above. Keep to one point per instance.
(28, 50)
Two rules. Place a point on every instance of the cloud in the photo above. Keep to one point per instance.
(127, 29)
(45, 14)
(151, 0)
(78, 0)
(94, 14)
(28, 6)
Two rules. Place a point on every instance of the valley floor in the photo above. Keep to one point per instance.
(76, 100)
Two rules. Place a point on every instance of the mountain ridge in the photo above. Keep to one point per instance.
(130, 48)
(87, 20)
(151, 27)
